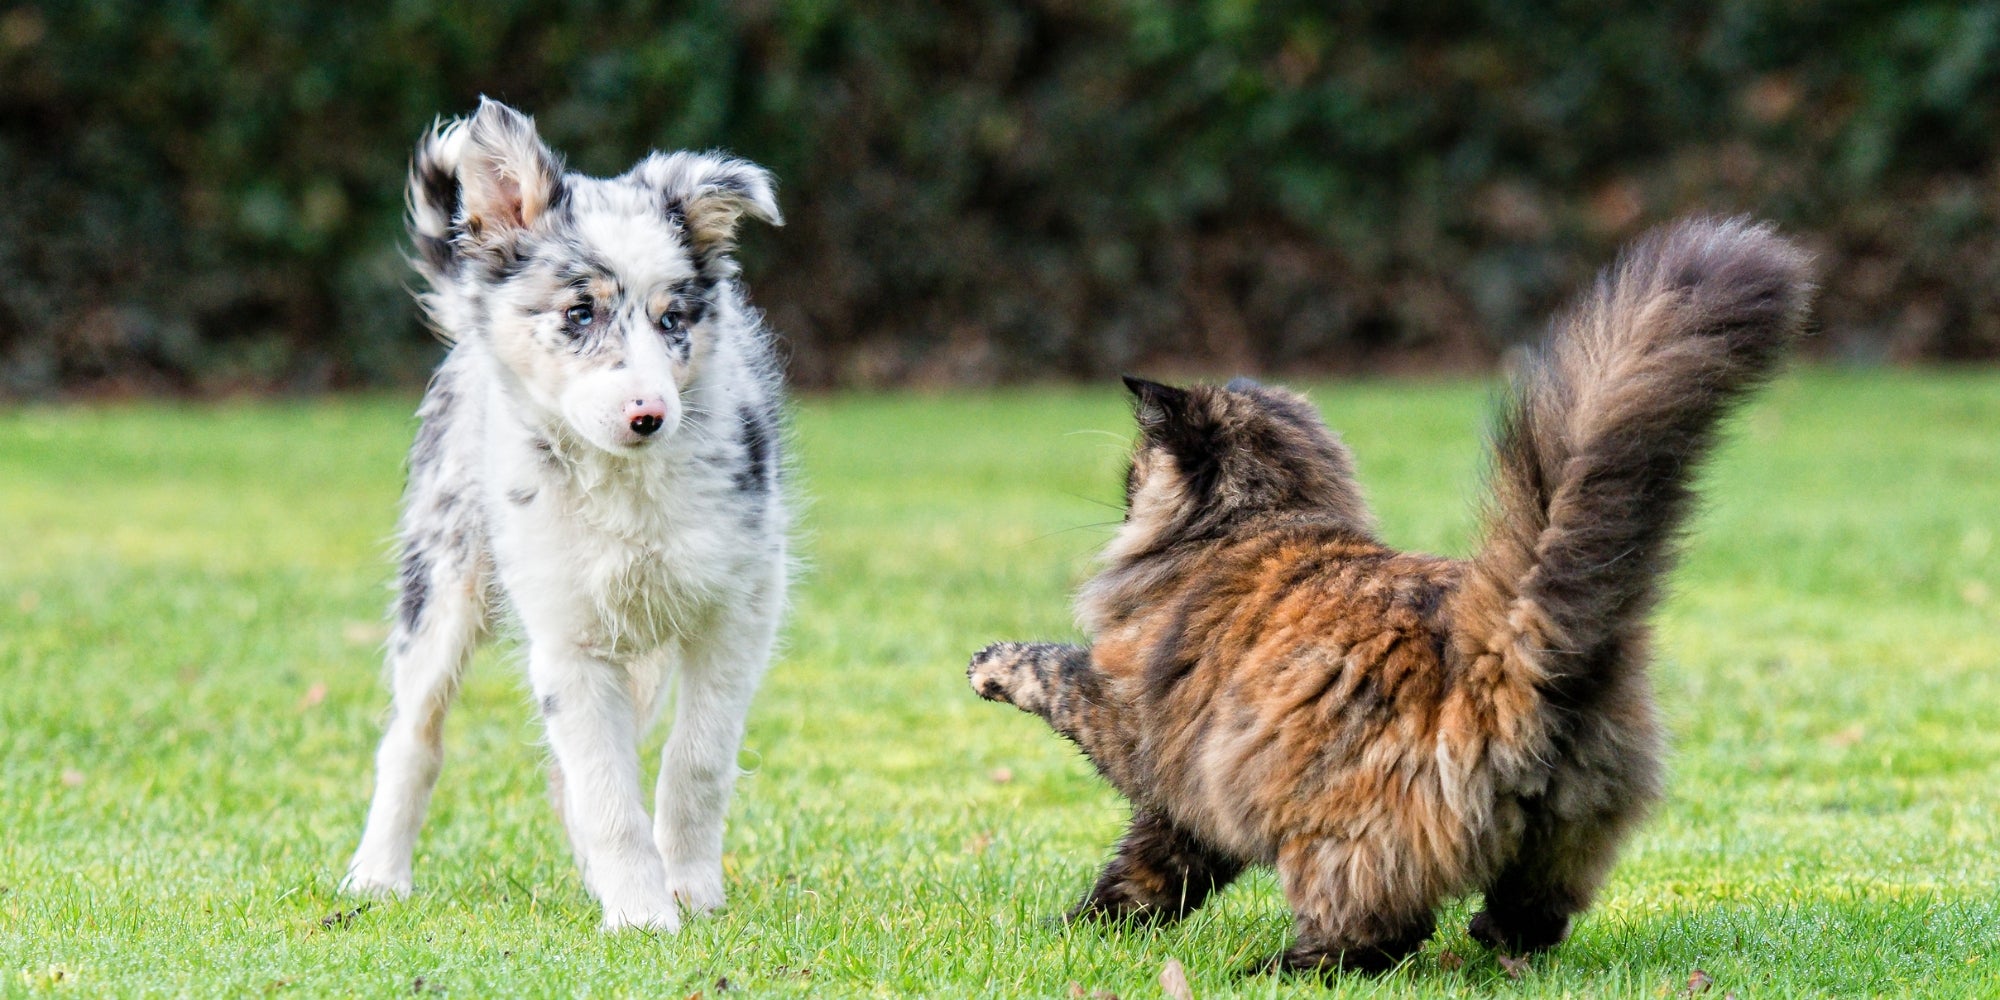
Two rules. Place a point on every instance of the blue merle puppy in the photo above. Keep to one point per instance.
(598, 462)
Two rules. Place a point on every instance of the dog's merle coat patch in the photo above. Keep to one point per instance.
(413, 589)
(581, 468)
(756, 428)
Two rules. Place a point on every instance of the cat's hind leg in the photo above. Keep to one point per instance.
(1554, 875)
(1609, 775)
(1160, 873)
(1355, 910)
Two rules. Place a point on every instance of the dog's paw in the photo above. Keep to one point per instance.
(697, 888)
(665, 919)
(364, 880)
(638, 901)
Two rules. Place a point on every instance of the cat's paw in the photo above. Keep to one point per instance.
(1302, 960)
(1109, 910)
(1518, 933)
(998, 671)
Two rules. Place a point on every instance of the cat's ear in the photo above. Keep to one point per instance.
(1156, 406)
(506, 176)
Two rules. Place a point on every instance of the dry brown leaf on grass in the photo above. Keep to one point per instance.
(1173, 979)
(1698, 983)
(1514, 967)
(1076, 991)
(1000, 775)
(1449, 961)
(314, 695)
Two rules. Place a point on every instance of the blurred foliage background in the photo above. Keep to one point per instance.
(205, 196)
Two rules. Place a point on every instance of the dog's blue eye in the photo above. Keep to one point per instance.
(671, 321)
(580, 315)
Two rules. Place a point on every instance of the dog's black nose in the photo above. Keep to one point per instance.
(645, 416)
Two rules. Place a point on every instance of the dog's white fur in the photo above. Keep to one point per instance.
(632, 562)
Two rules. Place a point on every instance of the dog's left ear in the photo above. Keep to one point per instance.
(710, 194)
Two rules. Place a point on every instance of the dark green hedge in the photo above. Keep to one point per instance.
(205, 195)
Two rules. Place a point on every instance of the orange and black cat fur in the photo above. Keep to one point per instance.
(1269, 684)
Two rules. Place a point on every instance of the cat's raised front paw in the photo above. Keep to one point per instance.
(995, 670)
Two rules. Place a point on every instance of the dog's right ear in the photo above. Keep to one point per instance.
(507, 178)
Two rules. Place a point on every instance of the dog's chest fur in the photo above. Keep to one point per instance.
(643, 556)
(623, 555)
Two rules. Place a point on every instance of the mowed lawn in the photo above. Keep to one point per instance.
(190, 608)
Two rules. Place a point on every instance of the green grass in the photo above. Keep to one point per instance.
(189, 697)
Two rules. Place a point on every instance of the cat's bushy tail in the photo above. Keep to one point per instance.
(1595, 452)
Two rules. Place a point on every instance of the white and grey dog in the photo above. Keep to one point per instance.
(598, 456)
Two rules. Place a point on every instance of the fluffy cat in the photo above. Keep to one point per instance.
(1269, 684)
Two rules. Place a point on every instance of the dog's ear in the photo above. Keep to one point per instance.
(709, 195)
(507, 178)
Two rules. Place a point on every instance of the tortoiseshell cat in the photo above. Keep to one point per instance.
(1269, 684)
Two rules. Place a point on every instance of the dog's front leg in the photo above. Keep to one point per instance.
(698, 765)
(440, 616)
(588, 712)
